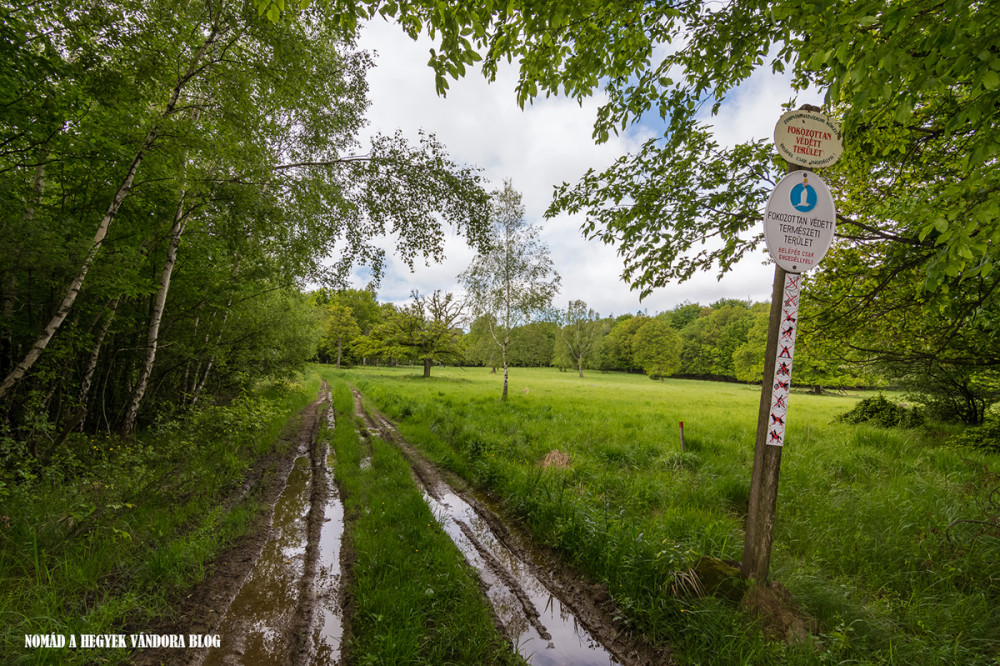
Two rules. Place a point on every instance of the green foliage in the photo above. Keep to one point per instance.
(917, 185)
(480, 347)
(748, 357)
(531, 345)
(256, 165)
(985, 437)
(951, 393)
(425, 330)
(710, 340)
(657, 349)
(578, 341)
(617, 347)
(880, 411)
(341, 330)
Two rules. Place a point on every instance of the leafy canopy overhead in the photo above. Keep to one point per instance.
(933, 105)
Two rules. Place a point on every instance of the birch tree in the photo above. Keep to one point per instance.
(165, 164)
(513, 279)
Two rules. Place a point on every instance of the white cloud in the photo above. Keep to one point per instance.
(752, 109)
(538, 148)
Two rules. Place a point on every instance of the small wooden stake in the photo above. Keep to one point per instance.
(682, 436)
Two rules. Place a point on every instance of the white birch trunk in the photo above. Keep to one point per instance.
(155, 317)
(102, 229)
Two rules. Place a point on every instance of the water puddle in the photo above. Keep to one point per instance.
(546, 633)
(263, 612)
(328, 628)
(288, 610)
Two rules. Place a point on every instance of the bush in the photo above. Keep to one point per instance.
(985, 437)
(882, 412)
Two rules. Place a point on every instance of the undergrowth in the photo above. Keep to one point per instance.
(98, 539)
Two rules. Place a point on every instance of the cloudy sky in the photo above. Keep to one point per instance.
(538, 148)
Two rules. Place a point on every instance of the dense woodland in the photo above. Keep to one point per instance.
(168, 188)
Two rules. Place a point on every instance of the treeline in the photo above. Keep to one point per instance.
(167, 187)
(722, 341)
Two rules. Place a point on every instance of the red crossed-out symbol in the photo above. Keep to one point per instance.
(788, 333)
(792, 300)
(777, 420)
(779, 402)
(784, 370)
(786, 351)
(789, 316)
(781, 385)
(793, 282)
(775, 437)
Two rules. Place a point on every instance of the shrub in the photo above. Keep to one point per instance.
(985, 437)
(882, 412)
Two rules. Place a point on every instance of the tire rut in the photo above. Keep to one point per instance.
(290, 604)
(551, 615)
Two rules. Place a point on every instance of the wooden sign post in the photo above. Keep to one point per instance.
(799, 224)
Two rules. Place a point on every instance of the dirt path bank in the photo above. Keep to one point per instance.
(274, 596)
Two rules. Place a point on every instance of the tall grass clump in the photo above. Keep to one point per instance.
(416, 601)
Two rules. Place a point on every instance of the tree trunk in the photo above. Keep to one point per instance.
(102, 229)
(504, 352)
(218, 338)
(88, 376)
(579, 365)
(80, 414)
(427, 367)
(187, 366)
(153, 331)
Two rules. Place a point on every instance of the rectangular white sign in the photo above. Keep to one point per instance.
(783, 363)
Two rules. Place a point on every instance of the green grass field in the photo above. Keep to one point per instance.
(862, 512)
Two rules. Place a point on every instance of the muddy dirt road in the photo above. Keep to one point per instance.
(550, 615)
(279, 596)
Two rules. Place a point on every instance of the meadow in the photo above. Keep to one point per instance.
(862, 535)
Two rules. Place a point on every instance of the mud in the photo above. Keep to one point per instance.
(551, 615)
(281, 594)
(276, 595)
